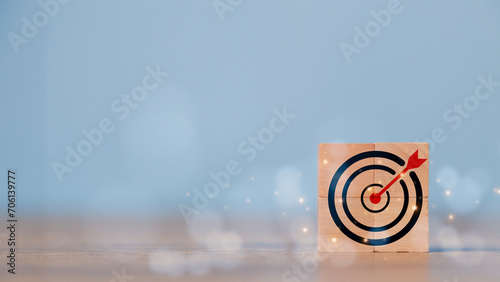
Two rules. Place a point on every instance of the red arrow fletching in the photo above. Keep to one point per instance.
(414, 161)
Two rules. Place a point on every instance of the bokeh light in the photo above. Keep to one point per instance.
(464, 196)
(167, 262)
(300, 230)
(205, 223)
(164, 129)
(288, 187)
(448, 177)
(448, 239)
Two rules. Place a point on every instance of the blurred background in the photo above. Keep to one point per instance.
(348, 71)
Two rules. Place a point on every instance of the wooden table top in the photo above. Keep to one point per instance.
(129, 250)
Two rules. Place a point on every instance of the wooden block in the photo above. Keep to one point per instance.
(331, 157)
(416, 240)
(376, 165)
(403, 150)
(331, 239)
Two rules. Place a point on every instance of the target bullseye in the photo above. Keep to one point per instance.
(369, 187)
(375, 198)
(393, 218)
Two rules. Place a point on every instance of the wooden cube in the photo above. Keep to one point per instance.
(402, 150)
(331, 239)
(416, 240)
(393, 221)
(332, 156)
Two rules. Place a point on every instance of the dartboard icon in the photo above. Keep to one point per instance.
(375, 195)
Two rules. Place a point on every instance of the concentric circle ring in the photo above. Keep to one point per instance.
(363, 197)
(352, 235)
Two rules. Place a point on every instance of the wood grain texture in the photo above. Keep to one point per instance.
(331, 239)
(59, 249)
(417, 240)
(331, 157)
(403, 150)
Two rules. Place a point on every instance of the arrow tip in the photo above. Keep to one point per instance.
(414, 161)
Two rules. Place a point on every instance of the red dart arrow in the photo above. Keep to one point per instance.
(413, 162)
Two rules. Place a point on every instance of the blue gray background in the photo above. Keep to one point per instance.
(226, 77)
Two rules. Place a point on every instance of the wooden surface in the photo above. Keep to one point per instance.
(255, 263)
(331, 157)
(79, 249)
